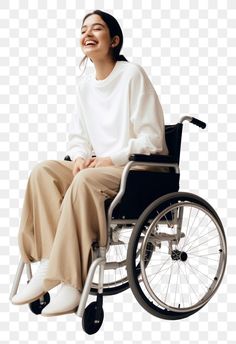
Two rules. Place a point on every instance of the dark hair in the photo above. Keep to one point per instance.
(114, 29)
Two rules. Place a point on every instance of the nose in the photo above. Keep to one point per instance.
(87, 34)
(88, 31)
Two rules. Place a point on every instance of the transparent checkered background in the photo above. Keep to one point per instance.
(186, 47)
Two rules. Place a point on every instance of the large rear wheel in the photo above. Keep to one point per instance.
(188, 255)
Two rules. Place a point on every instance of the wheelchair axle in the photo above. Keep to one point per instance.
(179, 255)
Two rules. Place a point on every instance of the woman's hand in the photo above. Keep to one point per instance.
(81, 163)
(100, 162)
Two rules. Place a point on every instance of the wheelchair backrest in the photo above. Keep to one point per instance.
(173, 134)
(143, 187)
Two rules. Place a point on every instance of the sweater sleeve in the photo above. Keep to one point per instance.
(146, 120)
(78, 141)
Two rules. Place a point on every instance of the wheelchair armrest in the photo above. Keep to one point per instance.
(164, 159)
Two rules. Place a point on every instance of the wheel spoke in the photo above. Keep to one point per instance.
(160, 276)
(205, 256)
(177, 284)
(203, 249)
(198, 237)
(169, 282)
(194, 230)
(210, 239)
(186, 238)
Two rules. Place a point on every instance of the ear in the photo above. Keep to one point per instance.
(115, 41)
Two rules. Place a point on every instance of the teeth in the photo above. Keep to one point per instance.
(90, 42)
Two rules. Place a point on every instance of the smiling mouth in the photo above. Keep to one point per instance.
(90, 44)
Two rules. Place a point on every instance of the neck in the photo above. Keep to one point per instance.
(103, 69)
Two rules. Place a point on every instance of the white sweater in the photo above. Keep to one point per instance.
(117, 116)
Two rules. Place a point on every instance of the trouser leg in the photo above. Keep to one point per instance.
(45, 190)
(82, 221)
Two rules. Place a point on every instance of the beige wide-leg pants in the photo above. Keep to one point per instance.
(63, 215)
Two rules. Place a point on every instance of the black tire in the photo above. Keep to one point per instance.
(157, 207)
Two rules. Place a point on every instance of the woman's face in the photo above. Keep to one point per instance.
(95, 40)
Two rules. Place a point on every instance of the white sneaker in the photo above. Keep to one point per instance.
(34, 289)
(65, 301)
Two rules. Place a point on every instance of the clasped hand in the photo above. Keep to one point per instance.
(81, 163)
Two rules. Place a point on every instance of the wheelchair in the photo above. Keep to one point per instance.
(168, 246)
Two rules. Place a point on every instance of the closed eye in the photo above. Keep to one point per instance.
(95, 27)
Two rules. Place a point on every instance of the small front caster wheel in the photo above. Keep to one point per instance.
(92, 318)
(38, 305)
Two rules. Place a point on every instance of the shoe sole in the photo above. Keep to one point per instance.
(59, 313)
(28, 301)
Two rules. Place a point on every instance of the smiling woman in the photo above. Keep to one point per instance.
(117, 114)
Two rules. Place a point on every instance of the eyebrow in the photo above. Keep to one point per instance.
(92, 25)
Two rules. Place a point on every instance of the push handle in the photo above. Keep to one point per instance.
(194, 121)
(198, 123)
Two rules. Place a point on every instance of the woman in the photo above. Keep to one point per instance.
(118, 113)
